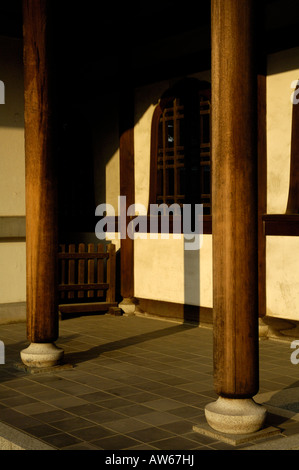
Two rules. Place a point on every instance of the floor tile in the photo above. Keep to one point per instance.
(66, 401)
(17, 419)
(35, 408)
(135, 409)
(150, 434)
(137, 383)
(119, 442)
(82, 410)
(158, 418)
(174, 443)
(61, 440)
(81, 446)
(51, 416)
(163, 404)
(105, 415)
(116, 402)
(91, 433)
(41, 430)
(125, 425)
(95, 397)
(71, 424)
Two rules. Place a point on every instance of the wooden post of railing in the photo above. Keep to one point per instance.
(90, 270)
(111, 273)
(71, 270)
(81, 270)
(62, 271)
(100, 269)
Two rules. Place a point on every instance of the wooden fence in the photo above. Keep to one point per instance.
(86, 278)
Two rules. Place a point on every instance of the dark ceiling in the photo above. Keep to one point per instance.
(146, 40)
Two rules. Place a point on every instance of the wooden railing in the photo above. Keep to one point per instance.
(86, 278)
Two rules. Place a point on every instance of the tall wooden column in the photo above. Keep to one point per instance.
(293, 199)
(41, 189)
(234, 217)
(127, 189)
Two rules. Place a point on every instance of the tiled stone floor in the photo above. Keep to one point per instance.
(137, 383)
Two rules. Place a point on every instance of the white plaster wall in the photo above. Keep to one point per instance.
(12, 272)
(282, 253)
(282, 264)
(12, 152)
(105, 144)
(283, 69)
(146, 99)
(12, 169)
(162, 269)
(112, 175)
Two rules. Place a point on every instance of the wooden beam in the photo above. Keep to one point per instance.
(281, 225)
(86, 307)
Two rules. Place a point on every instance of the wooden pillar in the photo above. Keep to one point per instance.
(293, 199)
(127, 189)
(234, 211)
(262, 155)
(262, 189)
(41, 186)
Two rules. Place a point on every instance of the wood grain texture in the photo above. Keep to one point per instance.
(281, 225)
(293, 199)
(262, 189)
(41, 181)
(127, 186)
(234, 201)
(89, 279)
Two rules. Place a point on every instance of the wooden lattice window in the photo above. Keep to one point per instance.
(181, 150)
(170, 155)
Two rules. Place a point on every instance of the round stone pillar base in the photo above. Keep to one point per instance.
(42, 355)
(235, 416)
(128, 305)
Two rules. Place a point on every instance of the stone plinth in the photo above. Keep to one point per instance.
(42, 355)
(235, 416)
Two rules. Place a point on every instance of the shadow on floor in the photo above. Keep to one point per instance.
(94, 352)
